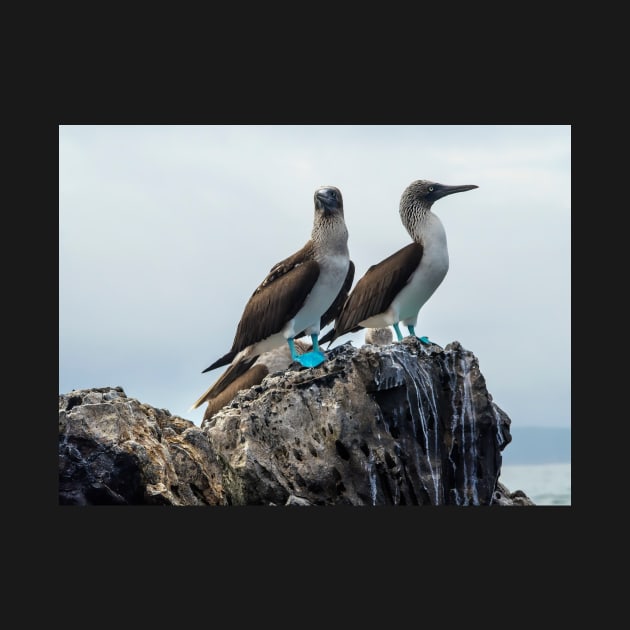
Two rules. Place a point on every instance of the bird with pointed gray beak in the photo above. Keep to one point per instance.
(392, 292)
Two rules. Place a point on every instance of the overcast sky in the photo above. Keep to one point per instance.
(165, 231)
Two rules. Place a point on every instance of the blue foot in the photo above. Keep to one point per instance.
(311, 359)
(412, 331)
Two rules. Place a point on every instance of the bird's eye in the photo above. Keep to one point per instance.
(430, 188)
(333, 193)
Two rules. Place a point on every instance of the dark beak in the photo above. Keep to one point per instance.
(327, 199)
(441, 190)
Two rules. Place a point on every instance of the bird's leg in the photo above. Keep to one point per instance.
(398, 333)
(309, 359)
(424, 340)
(294, 354)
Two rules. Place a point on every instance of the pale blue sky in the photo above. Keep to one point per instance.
(165, 231)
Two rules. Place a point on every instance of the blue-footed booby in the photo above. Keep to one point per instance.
(299, 292)
(251, 370)
(393, 291)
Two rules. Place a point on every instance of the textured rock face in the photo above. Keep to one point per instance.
(114, 450)
(403, 424)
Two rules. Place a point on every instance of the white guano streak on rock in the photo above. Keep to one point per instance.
(499, 433)
(372, 476)
(469, 414)
(431, 453)
(454, 424)
(468, 452)
(416, 410)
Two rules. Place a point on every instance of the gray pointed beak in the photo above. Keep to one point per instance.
(441, 190)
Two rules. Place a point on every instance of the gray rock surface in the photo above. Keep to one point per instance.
(404, 425)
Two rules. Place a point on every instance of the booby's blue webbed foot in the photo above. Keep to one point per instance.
(424, 340)
(311, 359)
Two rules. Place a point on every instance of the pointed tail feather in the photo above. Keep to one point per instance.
(328, 337)
(224, 360)
(332, 335)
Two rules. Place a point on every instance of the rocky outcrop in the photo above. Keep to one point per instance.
(402, 425)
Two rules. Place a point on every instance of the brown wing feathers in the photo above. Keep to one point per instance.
(231, 374)
(375, 291)
(275, 301)
(273, 304)
(249, 378)
(335, 308)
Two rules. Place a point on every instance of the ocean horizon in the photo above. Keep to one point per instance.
(544, 484)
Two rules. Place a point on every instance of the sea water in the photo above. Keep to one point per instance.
(544, 484)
